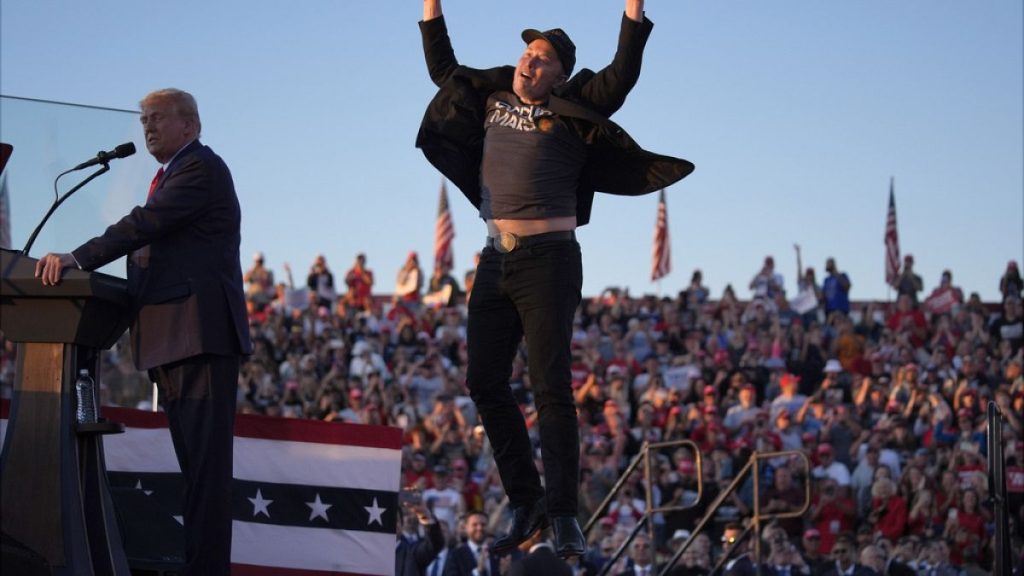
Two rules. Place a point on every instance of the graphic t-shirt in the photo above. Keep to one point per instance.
(531, 163)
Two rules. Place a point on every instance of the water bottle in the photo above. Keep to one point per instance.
(84, 391)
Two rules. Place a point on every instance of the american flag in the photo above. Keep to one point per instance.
(444, 232)
(662, 255)
(310, 498)
(892, 241)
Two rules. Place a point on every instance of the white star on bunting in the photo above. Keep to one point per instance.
(318, 508)
(138, 486)
(375, 513)
(260, 505)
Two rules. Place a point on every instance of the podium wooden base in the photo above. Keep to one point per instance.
(53, 487)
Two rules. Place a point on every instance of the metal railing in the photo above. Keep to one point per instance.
(646, 520)
(757, 519)
(997, 490)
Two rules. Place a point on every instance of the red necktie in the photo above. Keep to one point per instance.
(156, 180)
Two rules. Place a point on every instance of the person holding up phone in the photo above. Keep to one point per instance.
(420, 538)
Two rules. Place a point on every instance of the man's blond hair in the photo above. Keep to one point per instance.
(184, 104)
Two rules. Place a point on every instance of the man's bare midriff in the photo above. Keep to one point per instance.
(530, 227)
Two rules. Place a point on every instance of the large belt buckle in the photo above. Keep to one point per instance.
(507, 242)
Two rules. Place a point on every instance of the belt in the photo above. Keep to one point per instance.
(508, 242)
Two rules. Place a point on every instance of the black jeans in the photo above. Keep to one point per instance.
(534, 292)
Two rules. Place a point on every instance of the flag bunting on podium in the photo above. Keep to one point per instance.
(311, 498)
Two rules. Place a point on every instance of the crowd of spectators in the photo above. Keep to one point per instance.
(886, 400)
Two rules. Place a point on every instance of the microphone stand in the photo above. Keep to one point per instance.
(60, 200)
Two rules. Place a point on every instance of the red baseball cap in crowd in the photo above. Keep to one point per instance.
(811, 533)
(710, 409)
(749, 387)
(809, 437)
(965, 413)
(739, 444)
(788, 379)
(824, 448)
(709, 390)
(687, 467)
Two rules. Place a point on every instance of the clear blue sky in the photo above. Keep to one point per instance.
(796, 113)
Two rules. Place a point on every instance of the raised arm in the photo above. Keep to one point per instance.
(437, 47)
(799, 266)
(606, 91)
(432, 9)
(635, 10)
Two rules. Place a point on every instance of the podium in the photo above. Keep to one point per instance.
(54, 495)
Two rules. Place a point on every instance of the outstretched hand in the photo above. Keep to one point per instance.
(431, 9)
(49, 268)
(635, 10)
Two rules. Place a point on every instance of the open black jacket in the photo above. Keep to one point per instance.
(452, 132)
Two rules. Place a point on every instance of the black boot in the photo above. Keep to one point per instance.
(569, 539)
(525, 521)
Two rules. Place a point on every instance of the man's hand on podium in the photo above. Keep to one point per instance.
(50, 267)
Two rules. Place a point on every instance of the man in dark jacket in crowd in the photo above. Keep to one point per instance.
(415, 551)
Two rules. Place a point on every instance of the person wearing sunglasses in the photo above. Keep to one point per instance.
(739, 563)
(844, 560)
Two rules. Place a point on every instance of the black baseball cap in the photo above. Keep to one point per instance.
(558, 39)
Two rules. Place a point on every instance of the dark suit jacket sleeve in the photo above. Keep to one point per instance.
(461, 563)
(184, 194)
(606, 91)
(426, 549)
(437, 50)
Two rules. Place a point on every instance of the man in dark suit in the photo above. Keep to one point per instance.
(189, 326)
(739, 563)
(529, 146)
(472, 558)
(844, 554)
(413, 551)
(639, 562)
(540, 559)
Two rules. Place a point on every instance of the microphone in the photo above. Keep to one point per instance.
(122, 151)
(104, 158)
